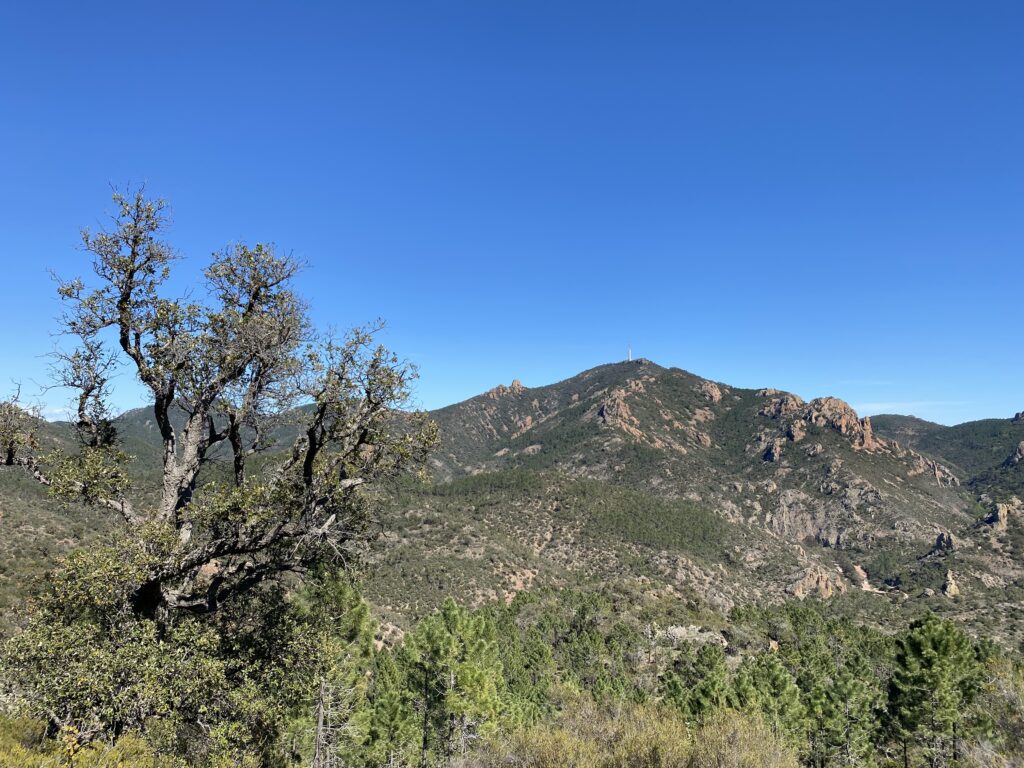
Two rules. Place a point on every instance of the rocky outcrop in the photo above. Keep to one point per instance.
(678, 635)
(922, 464)
(784, 405)
(999, 517)
(798, 517)
(1018, 417)
(515, 388)
(710, 390)
(836, 414)
(774, 450)
(823, 412)
(816, 580)
(1016, 457)
(614, 412)
(949, 587)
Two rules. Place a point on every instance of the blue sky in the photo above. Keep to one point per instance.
(821, 197)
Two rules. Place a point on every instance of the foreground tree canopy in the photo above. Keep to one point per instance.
(230, 368)
(230, 372)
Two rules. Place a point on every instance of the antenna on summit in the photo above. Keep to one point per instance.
(629, 354)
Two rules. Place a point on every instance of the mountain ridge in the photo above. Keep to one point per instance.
(655, 479)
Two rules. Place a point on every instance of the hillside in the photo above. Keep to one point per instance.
(988, 452)
(667, 485)
(719, 495)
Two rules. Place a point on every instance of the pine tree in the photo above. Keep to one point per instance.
(455, 677)
(390, 726)
(936, 680)
(697, 684)
(333, 606)
(856, 703)
(763, 685)
(711, 692)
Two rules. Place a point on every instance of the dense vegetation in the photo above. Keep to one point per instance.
(551, 679)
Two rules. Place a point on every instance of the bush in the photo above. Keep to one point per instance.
(22, 746)
(733, 740)
(625, 736)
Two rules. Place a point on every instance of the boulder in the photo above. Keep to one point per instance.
(949, 586)
(711, 391)
(999, 517)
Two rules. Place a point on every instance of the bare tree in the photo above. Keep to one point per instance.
(221, 369)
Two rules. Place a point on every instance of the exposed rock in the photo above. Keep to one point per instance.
(515, 388)
(702, 415)
(678, 635)
(815, 450)
(943, 475)
(774, 450)
(1018, 416)
(797, 517)
(833, 413)
(829, 537)
(525, 424)
(781, 406)
(797, 431)
(614, 412)
(949, 586)
(999, 518)
(815, 580)
(1016, 457)
(862, 577)
(711, 391)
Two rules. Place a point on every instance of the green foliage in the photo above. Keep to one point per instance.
(764, 686)
(937, 677)
(90, 475)
(697, 683)
(18, 427)
(454, 673)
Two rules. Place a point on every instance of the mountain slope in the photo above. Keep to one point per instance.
(988, 453)
(806, 499)
(670, 487)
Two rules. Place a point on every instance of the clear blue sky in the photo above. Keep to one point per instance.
(821, 197)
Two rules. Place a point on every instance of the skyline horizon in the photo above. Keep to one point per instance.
(868, 409)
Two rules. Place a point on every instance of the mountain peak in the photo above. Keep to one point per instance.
(515, 388)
